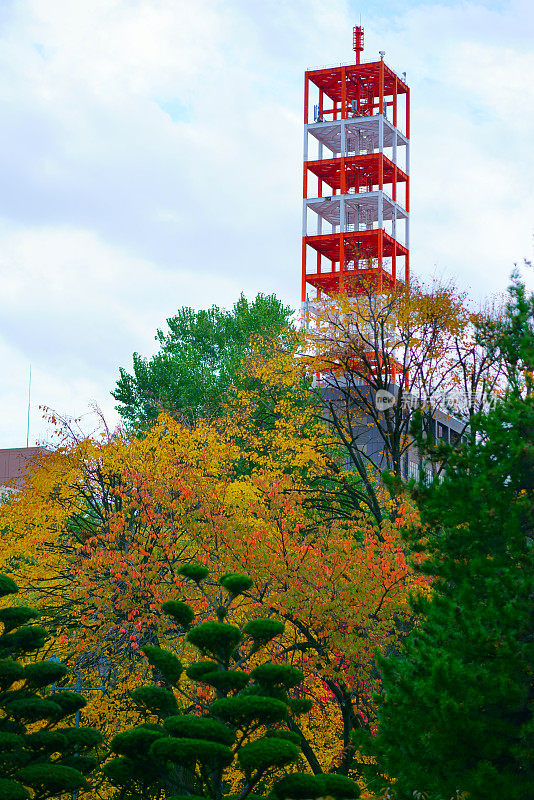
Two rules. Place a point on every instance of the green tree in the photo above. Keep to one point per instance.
(240, 718)
(40, 757)
(456, 708)
(197, 360)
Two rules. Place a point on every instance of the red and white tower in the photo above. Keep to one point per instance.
(356, 187)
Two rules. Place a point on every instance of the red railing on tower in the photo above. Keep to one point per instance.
(356, 185)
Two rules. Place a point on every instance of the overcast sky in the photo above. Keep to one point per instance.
(150, 157)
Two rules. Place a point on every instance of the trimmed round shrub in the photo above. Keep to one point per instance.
(263, 630)
(181, 613)
(289, 736)
(45, 741)
(188, 751)
(81, 738)
(120, 770)
(15, 616)
(10, 741)
(10, 790)
(167, 663)
(198, 669)
(235, 583)
(83, 763)
(194, 571)
(43, 673)
(190, 727)
(156, 699)
(215, 638)
(296, 786)
(7, 585)
(249, 797)
(238, 710)
(123, 770)
(338, 786)
(267, 752)
(69, 703)
(191, 797)
(23, 640)
(33, 709)
(227, 680)
(52, 778)
(278, 675)
(134, 743)
(10, 671)
(300, 705)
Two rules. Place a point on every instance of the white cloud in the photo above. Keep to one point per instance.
(150, 155)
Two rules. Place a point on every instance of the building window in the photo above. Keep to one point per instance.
(443, 432)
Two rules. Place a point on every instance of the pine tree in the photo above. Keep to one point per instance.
(242, 718)
(40, 756)
(456, 708)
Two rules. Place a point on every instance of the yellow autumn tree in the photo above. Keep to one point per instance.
(98, 533)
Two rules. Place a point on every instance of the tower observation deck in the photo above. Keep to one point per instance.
(356, 185)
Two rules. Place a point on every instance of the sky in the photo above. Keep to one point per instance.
(151, 152)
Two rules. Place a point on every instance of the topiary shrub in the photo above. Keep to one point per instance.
(241, 722)
(37, 759)
(300, 785)
(235, 583)
(193, 571)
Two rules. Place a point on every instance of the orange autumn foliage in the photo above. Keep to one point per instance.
(98, 533)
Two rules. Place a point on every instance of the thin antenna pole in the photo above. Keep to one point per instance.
(29, 395)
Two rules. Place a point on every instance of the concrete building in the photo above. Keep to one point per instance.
(14, 465)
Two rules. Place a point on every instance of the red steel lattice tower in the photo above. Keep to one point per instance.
(356, 186)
